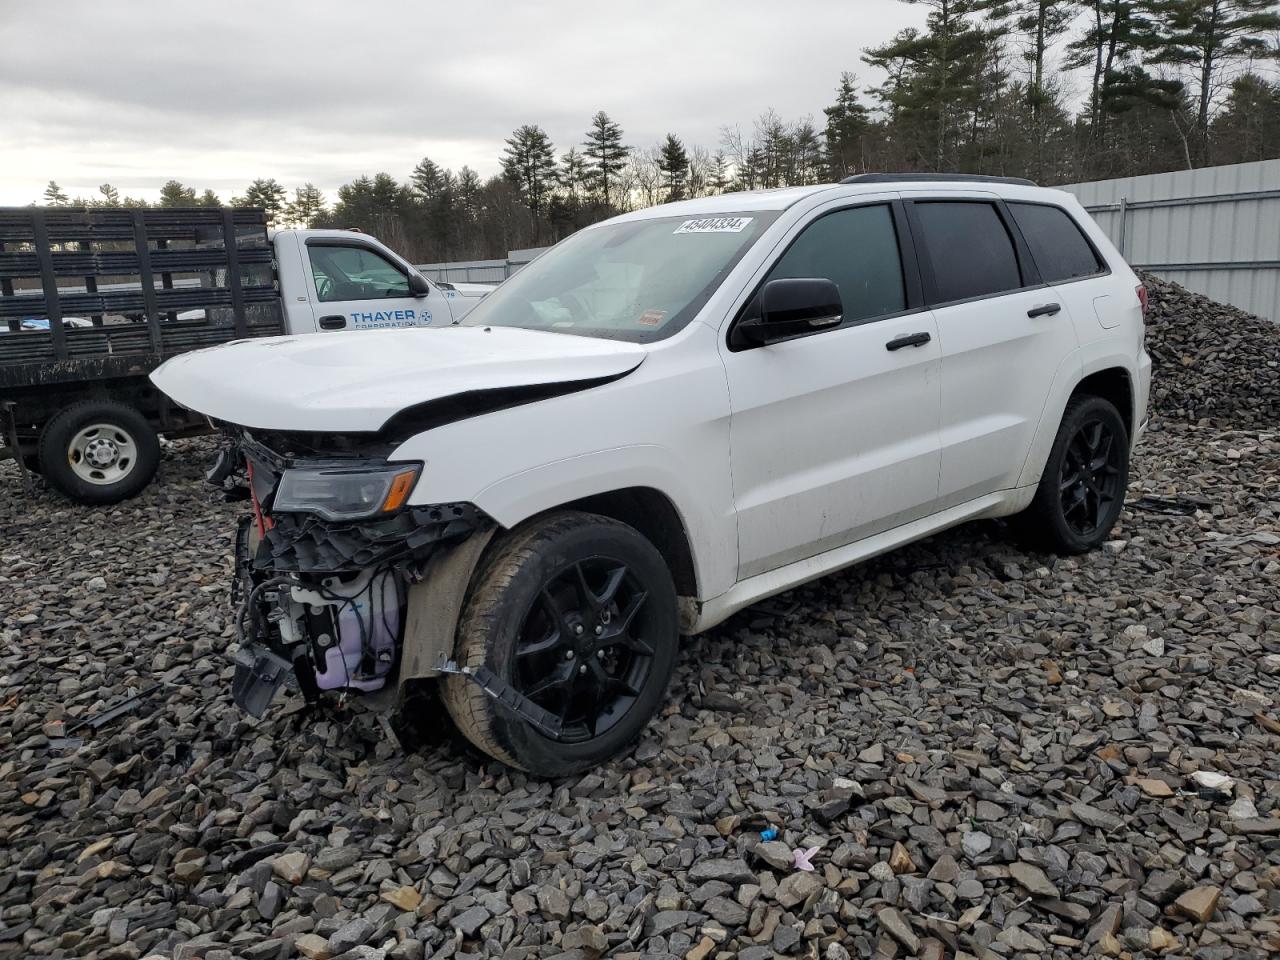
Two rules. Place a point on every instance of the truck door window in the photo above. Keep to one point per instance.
(354, 273)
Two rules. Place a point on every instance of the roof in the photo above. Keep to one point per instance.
(783, 197)
(777, 199)
(886, 178)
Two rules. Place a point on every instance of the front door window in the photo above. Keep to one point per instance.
(354, 273)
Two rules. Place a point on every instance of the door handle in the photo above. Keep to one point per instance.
(1045, 310)
(334, 322)
(909, 340)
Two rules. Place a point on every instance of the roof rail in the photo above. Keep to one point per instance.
(935, 178)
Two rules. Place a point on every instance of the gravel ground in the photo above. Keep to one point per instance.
(980, 751)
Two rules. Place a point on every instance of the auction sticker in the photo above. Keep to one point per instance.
(714, 225)
(652, 318)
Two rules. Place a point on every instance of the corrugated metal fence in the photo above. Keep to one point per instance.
(479, 271)
(1215, 230)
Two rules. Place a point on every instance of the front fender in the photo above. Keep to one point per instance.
(517, 497)
(664, 426)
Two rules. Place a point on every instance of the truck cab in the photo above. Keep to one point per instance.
(345, 280)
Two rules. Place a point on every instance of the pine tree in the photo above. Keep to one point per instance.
(804, 164)
(1248, 126)
(427, 179)
(174, 194)
(267, 194)
(1206, 36)
(719, 179)
(934, 77)
(605, 152)
(467, 192)
(53, 195)
(306, 207)
(1118, 29)
(110, 196)
(1042, 23)
(848, 122)
(209, 199)
(529, 165)
(673, 163)
(574, 176)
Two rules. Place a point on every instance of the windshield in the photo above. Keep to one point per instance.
(638, 281)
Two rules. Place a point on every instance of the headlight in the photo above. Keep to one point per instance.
(345, 493)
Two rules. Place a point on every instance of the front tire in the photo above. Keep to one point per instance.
(99, 451)
(576, 612)
(1081, 491)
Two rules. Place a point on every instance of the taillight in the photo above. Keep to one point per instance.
(1142, 297)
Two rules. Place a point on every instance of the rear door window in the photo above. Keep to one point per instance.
(857, 250)
(970, 249)
(1058, 245)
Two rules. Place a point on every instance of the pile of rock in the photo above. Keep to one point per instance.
(978, 751)
(1211, 360)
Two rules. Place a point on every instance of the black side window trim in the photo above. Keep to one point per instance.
(1028, 273)
(1097, 254)
(912, 287)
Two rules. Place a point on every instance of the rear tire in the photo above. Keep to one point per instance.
(578, 613)
(1081, 491)
(99, 451)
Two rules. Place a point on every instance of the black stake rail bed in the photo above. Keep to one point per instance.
(91, 301)
(135, 323)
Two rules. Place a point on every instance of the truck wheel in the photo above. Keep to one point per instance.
(99, 451)
(577, 613)
(1081, 491)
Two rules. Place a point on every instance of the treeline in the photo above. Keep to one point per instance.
(982, 88)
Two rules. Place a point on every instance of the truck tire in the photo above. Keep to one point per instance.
(98, 451)
(1081, 491)
(577, 613)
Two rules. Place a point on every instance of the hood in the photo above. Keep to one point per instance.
(357, 380)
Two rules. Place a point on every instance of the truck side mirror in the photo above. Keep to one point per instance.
(418, 285)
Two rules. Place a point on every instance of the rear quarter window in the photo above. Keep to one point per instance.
(1057, 243)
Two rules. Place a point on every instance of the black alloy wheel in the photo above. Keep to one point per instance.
(1082, 488)
(578, 614)
(583, 653)
(1089, 482)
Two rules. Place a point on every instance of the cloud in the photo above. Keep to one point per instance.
(217, 94)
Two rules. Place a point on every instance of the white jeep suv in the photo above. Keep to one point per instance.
(667, 417)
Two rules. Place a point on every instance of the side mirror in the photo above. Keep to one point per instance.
(418, 285)
(792, 307)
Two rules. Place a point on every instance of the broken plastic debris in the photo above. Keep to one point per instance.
(1213, 783)
(802, 858)
(769, 833)
(131, 702)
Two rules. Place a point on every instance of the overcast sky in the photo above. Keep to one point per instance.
(216, 94)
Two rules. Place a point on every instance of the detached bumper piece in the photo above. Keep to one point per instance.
(259, 674)
(511, 698)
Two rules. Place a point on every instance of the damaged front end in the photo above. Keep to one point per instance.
(325, 565)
